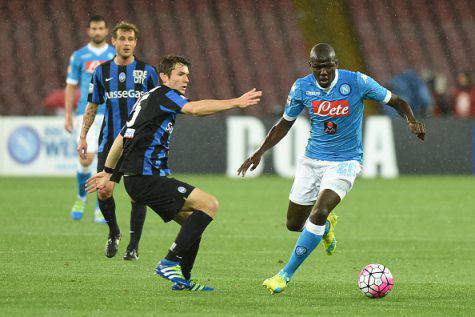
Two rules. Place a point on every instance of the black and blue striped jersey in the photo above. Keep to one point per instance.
(148, 131)
(119, 87)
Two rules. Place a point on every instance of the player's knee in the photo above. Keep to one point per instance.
(320, 216)
(213, 206)
(294, 226)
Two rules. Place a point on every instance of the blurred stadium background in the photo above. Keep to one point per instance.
(423, 50)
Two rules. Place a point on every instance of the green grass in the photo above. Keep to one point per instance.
(422, 228)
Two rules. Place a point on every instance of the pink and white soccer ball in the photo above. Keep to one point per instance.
(375, 280)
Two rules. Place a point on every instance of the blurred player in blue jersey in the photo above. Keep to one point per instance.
(81, 67)
(119, 83)
(332, 161)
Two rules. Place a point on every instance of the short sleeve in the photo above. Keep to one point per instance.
(173, 102)
(294, 105)
(371, 89)
(152, 78)
(74, 70)
(96, 89)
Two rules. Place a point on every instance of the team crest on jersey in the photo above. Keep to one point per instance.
(122, 77)
(139, 76)
(345, 89)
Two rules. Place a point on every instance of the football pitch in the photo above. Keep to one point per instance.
(422, 228)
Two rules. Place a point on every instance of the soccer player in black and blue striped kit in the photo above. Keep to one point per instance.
(140, 153)
(119, 83)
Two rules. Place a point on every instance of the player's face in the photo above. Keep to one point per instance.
(179, 78)
(324, 71)
(97, 32)
(125, 43)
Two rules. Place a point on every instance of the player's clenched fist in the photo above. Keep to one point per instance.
(418, 128)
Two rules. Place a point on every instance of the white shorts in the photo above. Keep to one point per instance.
(313, 176)
(93, 133)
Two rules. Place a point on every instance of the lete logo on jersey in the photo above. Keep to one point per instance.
(337, 108)
(92, 65)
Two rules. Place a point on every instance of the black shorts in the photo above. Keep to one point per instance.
(166, 196)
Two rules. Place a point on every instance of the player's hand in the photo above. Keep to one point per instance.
(98, 181)
(418, 128)
(250, 98)
(82, 148)
(68, 124)
(251, 162)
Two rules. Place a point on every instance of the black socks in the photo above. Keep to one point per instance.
(190, 232)
(108, 211)
(189, 259)
(137, 219)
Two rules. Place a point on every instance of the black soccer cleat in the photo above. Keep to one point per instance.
(112, 245)
(131, 255)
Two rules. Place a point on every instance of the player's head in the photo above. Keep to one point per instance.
(174, 73)
(97, 29)
(323, 63)
(124, 38)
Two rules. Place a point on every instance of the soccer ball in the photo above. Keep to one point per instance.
(375, 280)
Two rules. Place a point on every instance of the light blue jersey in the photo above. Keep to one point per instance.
(336, 113)
(82, 64)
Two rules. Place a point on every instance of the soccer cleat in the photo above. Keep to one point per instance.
(131, 255)
(277, 283)
(98, 217)
(194, 286)
(172, 271)
(329, 239)
(112, 245)
(78, 209)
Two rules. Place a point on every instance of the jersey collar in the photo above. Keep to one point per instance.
(97, 50)
(327, 90)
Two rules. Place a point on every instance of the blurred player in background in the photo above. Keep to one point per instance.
(119, 83)
(140, 152)
(82, 64)
(334, 154)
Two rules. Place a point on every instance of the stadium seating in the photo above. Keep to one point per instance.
(234, 45)
(426, 35)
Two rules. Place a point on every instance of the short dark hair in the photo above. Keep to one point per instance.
(125, 26)
(168, 62)
(96, 18)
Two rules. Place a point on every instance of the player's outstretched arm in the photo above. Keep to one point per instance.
(99, 180)
(69, 92)
(87, 121)
(405, 111)
(277, 133)
(207, 107)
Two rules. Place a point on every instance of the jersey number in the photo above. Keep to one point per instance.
(136, 110)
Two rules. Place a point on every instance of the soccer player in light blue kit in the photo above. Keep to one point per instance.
(82, 64)
(332, 161)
